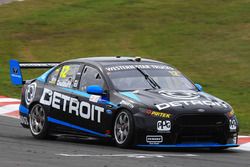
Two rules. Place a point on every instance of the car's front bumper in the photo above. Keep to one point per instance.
(181, 135)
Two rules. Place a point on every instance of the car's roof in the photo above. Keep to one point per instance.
(102, 61)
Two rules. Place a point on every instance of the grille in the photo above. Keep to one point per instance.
(201, 128)
(201, 120)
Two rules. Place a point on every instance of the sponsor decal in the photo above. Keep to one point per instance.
(15, 70)
(201, 110)
(179, 94)
(109, 112)
(164, 126)
(140, 66)
(154, 139)
(130, 105)
(187, 103)
(16, 75)
(158, 114)
(71, 105)
(232, 125)
(175, 73)
(30, 93)
(94, 98)
(75, 83)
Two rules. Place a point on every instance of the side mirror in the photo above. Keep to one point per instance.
(199, 87)
(95, 89)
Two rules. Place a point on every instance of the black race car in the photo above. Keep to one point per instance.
(134, 101)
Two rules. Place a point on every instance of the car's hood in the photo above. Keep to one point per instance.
(185, 101)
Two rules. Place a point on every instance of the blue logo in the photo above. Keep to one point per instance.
(109, 112)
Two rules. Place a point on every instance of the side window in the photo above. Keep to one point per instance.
(53, 76)
(90, 76)
(67, 75)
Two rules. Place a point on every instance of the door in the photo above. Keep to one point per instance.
(57, 93)
(93, 107)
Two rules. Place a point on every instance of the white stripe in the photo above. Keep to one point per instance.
(243, 137)
(129, 155)
(9, 100)
(9, 108)
(243, 147)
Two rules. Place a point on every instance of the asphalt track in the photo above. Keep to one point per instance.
(19, 148)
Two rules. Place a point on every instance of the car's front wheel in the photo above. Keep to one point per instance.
(38, 122)
(124, 129)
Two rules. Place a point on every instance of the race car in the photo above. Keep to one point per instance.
(132, 101)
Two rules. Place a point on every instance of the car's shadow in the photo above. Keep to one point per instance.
(110, 144)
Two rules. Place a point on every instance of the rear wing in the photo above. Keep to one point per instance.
(16, 66)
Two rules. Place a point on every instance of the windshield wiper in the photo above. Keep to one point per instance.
(150, 80)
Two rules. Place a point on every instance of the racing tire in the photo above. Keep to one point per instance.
(123, 129)
(38, 122)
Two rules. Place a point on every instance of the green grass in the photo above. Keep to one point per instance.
(209, 41)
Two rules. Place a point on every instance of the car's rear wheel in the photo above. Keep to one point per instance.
(124, 129)
(38, 122)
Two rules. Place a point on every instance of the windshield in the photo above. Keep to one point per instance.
(133, 79)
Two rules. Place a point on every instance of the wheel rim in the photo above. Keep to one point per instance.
(37, 119)
(121, 129)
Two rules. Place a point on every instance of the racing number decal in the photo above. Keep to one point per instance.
(64, 71)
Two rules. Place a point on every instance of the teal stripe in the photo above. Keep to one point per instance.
(131, 95)
(44, 76)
